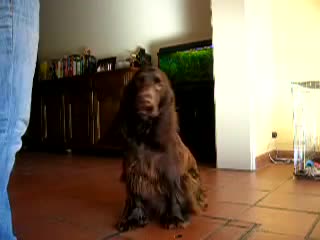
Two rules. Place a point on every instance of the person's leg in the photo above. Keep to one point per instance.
(19, 36)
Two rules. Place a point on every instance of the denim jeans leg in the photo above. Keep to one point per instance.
(19, 37)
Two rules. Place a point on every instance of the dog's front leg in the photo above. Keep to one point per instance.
(133, 216)
(174, 216)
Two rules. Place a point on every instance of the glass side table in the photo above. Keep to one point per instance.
(306, 122)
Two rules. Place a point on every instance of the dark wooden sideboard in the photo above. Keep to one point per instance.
(77, 113)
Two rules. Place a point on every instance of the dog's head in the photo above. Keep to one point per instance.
(148, 107)
(152, 92)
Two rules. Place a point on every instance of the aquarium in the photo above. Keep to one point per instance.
(191, 62)
(306, 121)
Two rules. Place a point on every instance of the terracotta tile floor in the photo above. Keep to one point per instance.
(65, 197)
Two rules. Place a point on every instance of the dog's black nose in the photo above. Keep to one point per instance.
(148, 108)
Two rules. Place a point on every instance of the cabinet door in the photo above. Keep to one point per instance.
(79, 113)
(197, 119)
(186, 111)
(205, 122)
(108, 89)
(32, 137)
(53, 126)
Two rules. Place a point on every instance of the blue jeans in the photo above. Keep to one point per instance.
(19, 37)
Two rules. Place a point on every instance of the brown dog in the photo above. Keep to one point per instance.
(161, 175)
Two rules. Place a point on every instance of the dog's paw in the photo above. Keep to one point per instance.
(123, 225)
(136, 219)
(139, 217)
(175, 223)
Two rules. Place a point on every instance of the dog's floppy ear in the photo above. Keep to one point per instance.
(168, 97)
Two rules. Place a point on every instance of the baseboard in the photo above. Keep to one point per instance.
(263, 160)
(285, 153)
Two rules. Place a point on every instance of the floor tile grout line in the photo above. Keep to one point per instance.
(239, 226)
(234, 203)
(249, 232)
(260, 230)
(216, 218)
(313, 227)
(299, 193)
(306, 194)
(116, 234)
(263, 206)
(272, 191)
(228, 219)
(227, 186)
(217, 230)
(288, 209)
(229, 223)
(243, 211)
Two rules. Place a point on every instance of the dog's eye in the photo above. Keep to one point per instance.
(158, 83)
(157, 80)
(140, 81)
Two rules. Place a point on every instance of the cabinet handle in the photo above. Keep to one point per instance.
(70, 119)
(63, 112)
(126, 78)
(45, 121)
(98, 121)
(42, 119)
(91, 119)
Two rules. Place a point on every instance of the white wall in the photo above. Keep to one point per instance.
(260, 47)
(114, 27)
(296, 38)
(244, 73)
(261, 70)
(234, 137)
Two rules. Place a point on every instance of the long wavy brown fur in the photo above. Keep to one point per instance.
(160, 173)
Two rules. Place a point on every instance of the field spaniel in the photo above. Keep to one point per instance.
(160, 173)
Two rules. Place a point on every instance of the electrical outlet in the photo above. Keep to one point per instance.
(274, 134)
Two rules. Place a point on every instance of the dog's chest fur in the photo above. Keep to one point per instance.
(144, 172)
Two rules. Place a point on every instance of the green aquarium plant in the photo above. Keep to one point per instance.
(188, 65)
